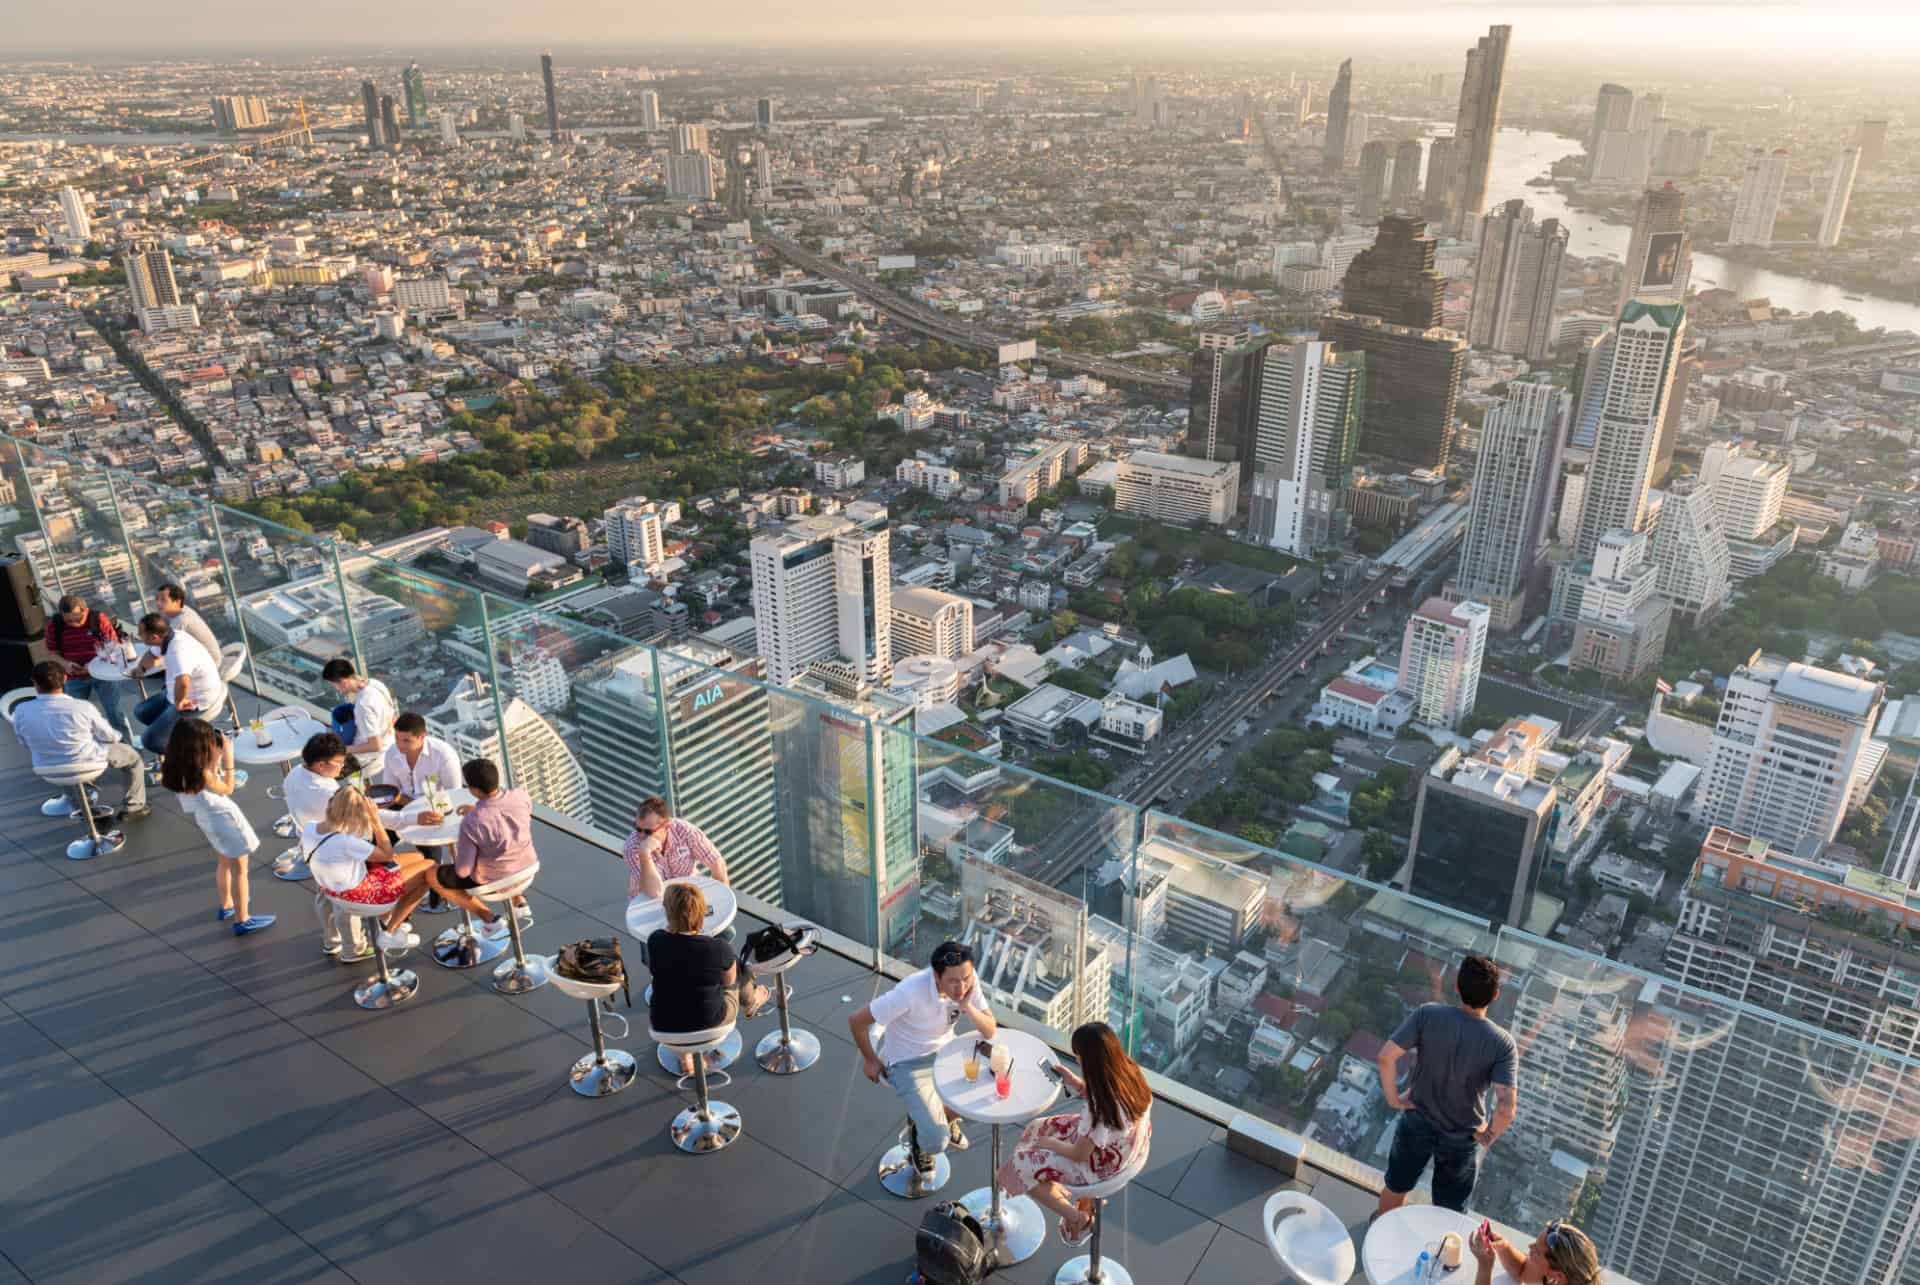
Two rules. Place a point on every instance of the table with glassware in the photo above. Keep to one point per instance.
(279, 741)
(406, 821)
(1016, 1224)
(648, 915)
(1392, 1252)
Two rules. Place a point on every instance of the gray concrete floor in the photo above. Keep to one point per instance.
(180, 1105)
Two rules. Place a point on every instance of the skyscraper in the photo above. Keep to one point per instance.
(1513, 484)
(1631, 401)
(1440, 160)
(73, 211)
(389, 121)
(649, 110)
(1620, 620)
(1223, 399)
(763, 114)
(150, 276)
(542, 763)
(553, 102)
(1515, 280)
(449, 131)
(1846, 165)
(413, 83)
(1690, 550)
(1612, 112)
(690, 176)
(1441, 652)
(1871, 138)
(1659, 254)
(1477, 123)
(1404, 197)
(370, 109)
(1306, 430)
(1339, 104)
(762, 169)
(1374, 162)
(1391, 312)
(1758, 204)
(1480, 830)
(233, 112)
(1788, 750)
(822, 591)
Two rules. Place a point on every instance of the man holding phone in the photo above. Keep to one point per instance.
(919, 1014)
(1460, 1055)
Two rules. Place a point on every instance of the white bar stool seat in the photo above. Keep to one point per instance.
(604, 1071)
(79, 777)
(1308, 1240)
(385, 988)
(1089, 1268)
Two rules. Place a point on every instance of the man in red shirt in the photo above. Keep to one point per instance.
(75, 635)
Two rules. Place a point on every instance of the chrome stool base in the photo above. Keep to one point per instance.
(385, 992)
(718, 1059)
(901, 1179)
(462, 947)
(516, 978)
(696, 1133)
(88, 849)
(787, 1054)
(1022, 1228)
(1078, 1271)
(594, 1078)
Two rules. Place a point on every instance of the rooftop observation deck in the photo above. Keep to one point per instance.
(179, 1105)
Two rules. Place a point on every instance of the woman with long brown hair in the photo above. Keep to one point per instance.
(1110, 1130)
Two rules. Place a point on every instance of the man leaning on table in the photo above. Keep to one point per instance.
(413, 764)
(1460, 1054)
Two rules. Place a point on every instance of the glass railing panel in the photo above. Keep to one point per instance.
(20, 529)
(1028, 870)
(1694, 1136)
(290, 607)
(82, 546)
(1302, 972)
(174, 539)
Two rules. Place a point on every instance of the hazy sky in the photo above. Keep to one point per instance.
(1883, 28)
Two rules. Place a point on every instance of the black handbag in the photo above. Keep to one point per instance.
(596, 960)
(950, 1248)
(764, 945)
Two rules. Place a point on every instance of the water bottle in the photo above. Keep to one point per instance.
(1420, 1266)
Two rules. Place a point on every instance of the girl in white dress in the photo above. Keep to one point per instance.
(198, 767)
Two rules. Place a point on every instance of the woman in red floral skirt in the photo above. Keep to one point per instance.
(1111, 1129)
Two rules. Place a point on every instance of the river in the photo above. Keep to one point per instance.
(1519, 155)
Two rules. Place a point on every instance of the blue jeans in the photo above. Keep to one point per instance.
(110, 696)
(1456, 1161)
(159, 715)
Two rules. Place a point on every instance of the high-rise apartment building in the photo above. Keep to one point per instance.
(1223, 396)
(1612, 112)
(413, 83)
(635, 531)
(822, 591)
(1631, 402)
(1476, 124)
(1513, 485)
(389, 121)
(152, 290)
(73, 212)
(1620, 621)
(1441, 153)
(1515, 280)
(1789, 750)
(1404, 196)
(449, 129)
(1749, 487)
(762, 169)
(1690, 551)
(1833, 217)
(1304, 439)
(690, 140)
(700, 735)
(1441, 652)
(234, 112)
(928, 622)
(370, 111)
(763, 113)
(1623, 156)
(1333, 151)
(541, 762)
(690, 176)
(553, 100)
(1480, 830)
(1659, 254)
(1871, 138)
(1757, 206)
(1375, 161)
(649, 110)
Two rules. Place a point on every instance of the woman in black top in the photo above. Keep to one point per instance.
(697, 984)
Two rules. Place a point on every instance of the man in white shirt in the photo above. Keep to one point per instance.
(919, 1014)
(415, 764)
(172, 600)
(192, 686)
(309, 787)
(373, 713)
(58, 729)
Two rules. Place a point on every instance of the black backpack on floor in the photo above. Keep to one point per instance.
(951, 1247)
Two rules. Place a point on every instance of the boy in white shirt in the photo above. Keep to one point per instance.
(919, 1014)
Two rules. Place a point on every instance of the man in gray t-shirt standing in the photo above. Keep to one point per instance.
(1460, 1055)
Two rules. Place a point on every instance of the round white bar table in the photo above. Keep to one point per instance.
(1016, 1224)
(1392, 1249)
(286, 737)
(648, 915)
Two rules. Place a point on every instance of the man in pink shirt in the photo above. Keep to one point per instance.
(495, 840)
(664, 847)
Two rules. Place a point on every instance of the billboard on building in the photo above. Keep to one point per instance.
(1023, 350)
(1663, 259)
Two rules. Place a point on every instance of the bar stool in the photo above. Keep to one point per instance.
(233, 659)
(786, 1051)
(1089, 1269)
(604, 1071)
(1307, 1240)
(520, 974)
(464, 946)
(708, 1125)
(79, 777)
(61, 804)
(897, 1172)
(385, 988)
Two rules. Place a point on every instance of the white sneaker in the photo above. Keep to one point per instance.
(524, 914)
(402, 939)
(495, 931)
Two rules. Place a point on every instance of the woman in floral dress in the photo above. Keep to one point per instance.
(1111, 1129)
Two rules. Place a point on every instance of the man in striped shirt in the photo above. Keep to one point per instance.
(664, 847)
(76, 635)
